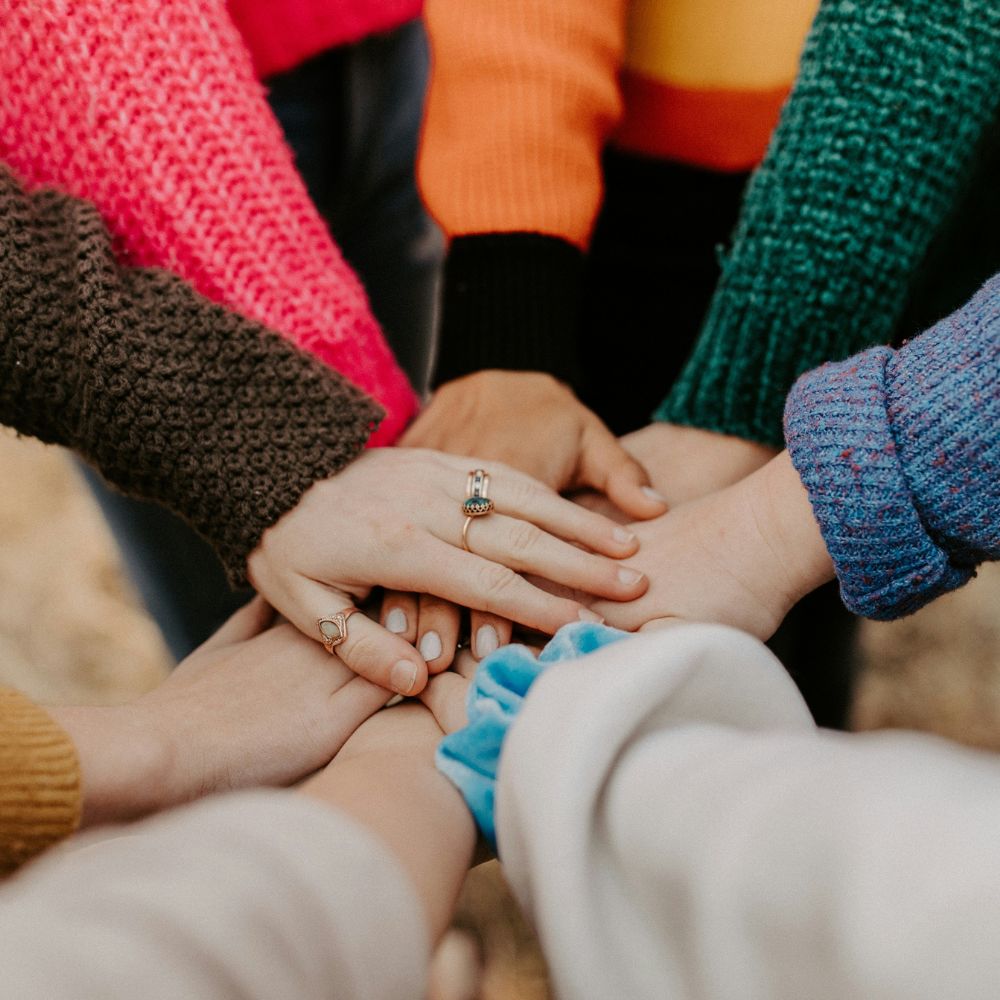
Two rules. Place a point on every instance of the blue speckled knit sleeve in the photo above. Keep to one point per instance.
(900, 453)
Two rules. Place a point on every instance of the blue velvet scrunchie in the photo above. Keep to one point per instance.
(470, 756)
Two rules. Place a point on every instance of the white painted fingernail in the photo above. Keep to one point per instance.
(395, 621)
(430, 646)
(623, 535)
(403, 676)
(486, 641)
(586, 615)
(630, 577)
(654, 494)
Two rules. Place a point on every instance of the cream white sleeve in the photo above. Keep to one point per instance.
(677, 827)
(256, 895)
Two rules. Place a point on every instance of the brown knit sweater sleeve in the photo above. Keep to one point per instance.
(40, 797)
(172, 398)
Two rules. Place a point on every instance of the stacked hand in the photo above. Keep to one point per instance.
(394, 518)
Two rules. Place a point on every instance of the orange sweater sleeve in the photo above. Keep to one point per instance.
(523, 95)
(40, 793)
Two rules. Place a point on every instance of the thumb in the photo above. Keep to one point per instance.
(252, 619)
(606, 466)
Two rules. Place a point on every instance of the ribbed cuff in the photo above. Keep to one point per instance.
(841, 443)
(40, 795)
(726, 386)
(511, 301)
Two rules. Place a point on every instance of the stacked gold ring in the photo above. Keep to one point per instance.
(477, 502)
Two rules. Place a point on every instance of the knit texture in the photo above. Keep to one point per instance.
(150, 110)
(172, 398)
(281, 34)
(871, 153)
(40, 795)
(900, 454)
(511, 301)
(469, 757)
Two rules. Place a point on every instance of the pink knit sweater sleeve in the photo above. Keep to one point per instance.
(150, 110)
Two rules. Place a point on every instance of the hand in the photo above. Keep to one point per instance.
(393, 518)
(249, 707)
(742, 556)
(531, 422)
(685, 463)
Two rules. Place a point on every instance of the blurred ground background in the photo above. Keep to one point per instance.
(71, 630)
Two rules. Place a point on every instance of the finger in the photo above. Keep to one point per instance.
(369, 650)
(445, 697)
(489, 633)
(351, 705)
(607, 466)
(520, 496)
(466, 664)
(437, 631)
(252, 619)
(482, 585)
(400, 615)
(526, 548)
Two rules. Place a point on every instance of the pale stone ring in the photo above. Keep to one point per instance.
(477, 502)
(333, 628)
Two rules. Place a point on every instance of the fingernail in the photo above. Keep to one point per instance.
(430, 646)
(623, 535)
(586, 615)
(395, 621)
(403, 676)
(630, 577)
(654, 494)
(486, 641)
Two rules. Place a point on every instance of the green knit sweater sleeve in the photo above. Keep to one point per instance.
(871, 153)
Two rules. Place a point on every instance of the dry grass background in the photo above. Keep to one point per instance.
(71, 630)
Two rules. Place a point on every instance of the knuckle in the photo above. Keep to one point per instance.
(523, 537)
(364, 651)
(496, 581)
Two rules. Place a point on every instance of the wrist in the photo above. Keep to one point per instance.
(385, 778)
(789, 537)
(125, 763)
(510, 301)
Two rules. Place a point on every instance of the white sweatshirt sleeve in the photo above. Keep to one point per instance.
(677, 827)
(256, 896)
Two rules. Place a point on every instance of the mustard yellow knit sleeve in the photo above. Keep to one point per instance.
(40, 795)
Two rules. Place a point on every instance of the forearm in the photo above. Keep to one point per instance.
(172, 398)
(391, 786)
(258, 895)
(898, 450)
(700, 818)
(109, 103)
(522, 98)
(871, 153)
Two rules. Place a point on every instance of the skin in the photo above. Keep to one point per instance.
(741, 556)
(385, 778)
(393, 518)
(535, 424)
(252, 706)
